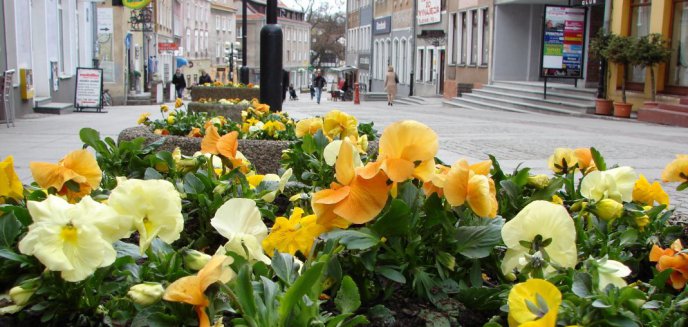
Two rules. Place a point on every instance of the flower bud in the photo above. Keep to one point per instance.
(608, 209)
(510, 277)
(538, 181)
(363, 143)
(642, 221)
(146, 293)
(171, 119)
(195, 260)
(21, 293)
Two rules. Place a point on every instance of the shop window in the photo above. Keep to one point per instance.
(485, 38)
(640, 26)
(678, 66)
(474, 37)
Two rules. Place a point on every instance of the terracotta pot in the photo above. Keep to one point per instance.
(622, 110)
(603, 107)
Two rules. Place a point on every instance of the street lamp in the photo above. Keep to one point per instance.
(231, 54)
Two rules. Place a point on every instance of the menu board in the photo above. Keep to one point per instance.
(89, 88)
(563, 42)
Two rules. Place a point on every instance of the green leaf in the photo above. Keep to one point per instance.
(582, 284)
(321, 140)
(630, 236)
(284, 267)
(521, 178)
(355, 321)
(308, 280)
(391, 274)
(355, 239)
(546, 193)
(192, 184)
(152, 174)
(91, 137)
(308, 146)
(478, 241)
(11, 255)
(21, 213)
(598, 159)
(244, 291)
(682, 186)
(348, 299)
(396, 221)
(10, 228)
(661, 278)
(381, 314)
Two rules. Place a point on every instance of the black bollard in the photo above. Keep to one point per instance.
(271, 60)
(243, 71)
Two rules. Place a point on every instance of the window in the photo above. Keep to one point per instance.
(464, 32)
(431, 65)
(678, 65)
(453, 38)
(640, 26)
(474, 37)
(402, 65)
(60, 33)
(420, 68)
(218, 22)
(196, 39)
(485, 38)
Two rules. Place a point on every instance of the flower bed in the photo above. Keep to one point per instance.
(224, 92)
(230, 111)
(135, 235)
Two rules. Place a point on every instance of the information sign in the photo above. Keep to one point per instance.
(563, 42)
(89, 89)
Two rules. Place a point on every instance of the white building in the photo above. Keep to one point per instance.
(51, 38)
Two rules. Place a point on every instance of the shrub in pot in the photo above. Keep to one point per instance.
(598, 45)
(650, 51)
(621, 51)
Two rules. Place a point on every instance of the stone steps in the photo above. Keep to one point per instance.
(54, 108)
(666, 113)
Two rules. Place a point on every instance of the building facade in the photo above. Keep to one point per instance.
(196, 17)
(48, 39)
(296, 41)
(222, 32)
(639, 18)
(359, 36)
(393, 43)
(431, 53)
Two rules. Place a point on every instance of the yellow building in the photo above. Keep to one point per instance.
(642, 17)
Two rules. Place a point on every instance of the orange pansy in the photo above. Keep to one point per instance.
(191, 289)
(407, 150)
(353, 198)
(225, 146)
(674, 259)
(470, 184)
(437, 181)
(585, 162)
(78, 166)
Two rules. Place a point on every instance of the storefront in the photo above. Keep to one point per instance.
(430, 47)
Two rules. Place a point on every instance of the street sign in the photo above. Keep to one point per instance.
(563, 42)
(167, 46)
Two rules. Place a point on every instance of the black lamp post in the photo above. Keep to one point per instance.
(271, 90)
(243, 72)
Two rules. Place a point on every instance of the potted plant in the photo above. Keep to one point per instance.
(598, 45)
(621, 51)
(651, 50)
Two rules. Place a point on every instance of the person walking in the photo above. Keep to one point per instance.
(391, 81)
(179, 83)
(319, 83)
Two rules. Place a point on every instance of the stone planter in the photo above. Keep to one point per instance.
(264, 155)
(231, 112)
(221, 92)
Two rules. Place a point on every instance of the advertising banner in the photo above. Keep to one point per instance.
(563, 42)
(382, 25)
(429, 12)
(89, 88)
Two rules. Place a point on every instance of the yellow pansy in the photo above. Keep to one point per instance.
(407, 150)
(647, 194)
(677, 170)
(562, 161)
(273, 128)
(471, 185)
(534, 302)
(171, 119)
(437, 181)
(540, 222)
(79, 167)
(616, 184)
(65, 238)
(178, 103)
(191, 289)
(239, 221)
(338, 125)
(143, 118)
(10, 184)
(557, 200)
(294, 234)
(154, 207)
(308, 126)
(164, 108)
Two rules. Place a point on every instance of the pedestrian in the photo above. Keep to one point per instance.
(391, 81)
(319, 83)
(205, 78)
(179, 83)
(312, 90)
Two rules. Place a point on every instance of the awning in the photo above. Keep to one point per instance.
(344, 69)
(181, 62)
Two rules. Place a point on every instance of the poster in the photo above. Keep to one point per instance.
(429, 12)
(563, 42)
(89, 88)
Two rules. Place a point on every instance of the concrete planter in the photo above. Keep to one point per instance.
(264, 154)
(221, 92)
(231, 112)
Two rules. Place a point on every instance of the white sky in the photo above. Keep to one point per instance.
(317, 2)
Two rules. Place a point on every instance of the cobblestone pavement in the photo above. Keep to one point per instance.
(514, 138)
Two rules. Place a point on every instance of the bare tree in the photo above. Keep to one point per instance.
(328, 27)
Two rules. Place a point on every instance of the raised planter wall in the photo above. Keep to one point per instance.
(219, 92)
(263, 154)
(231, 112)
